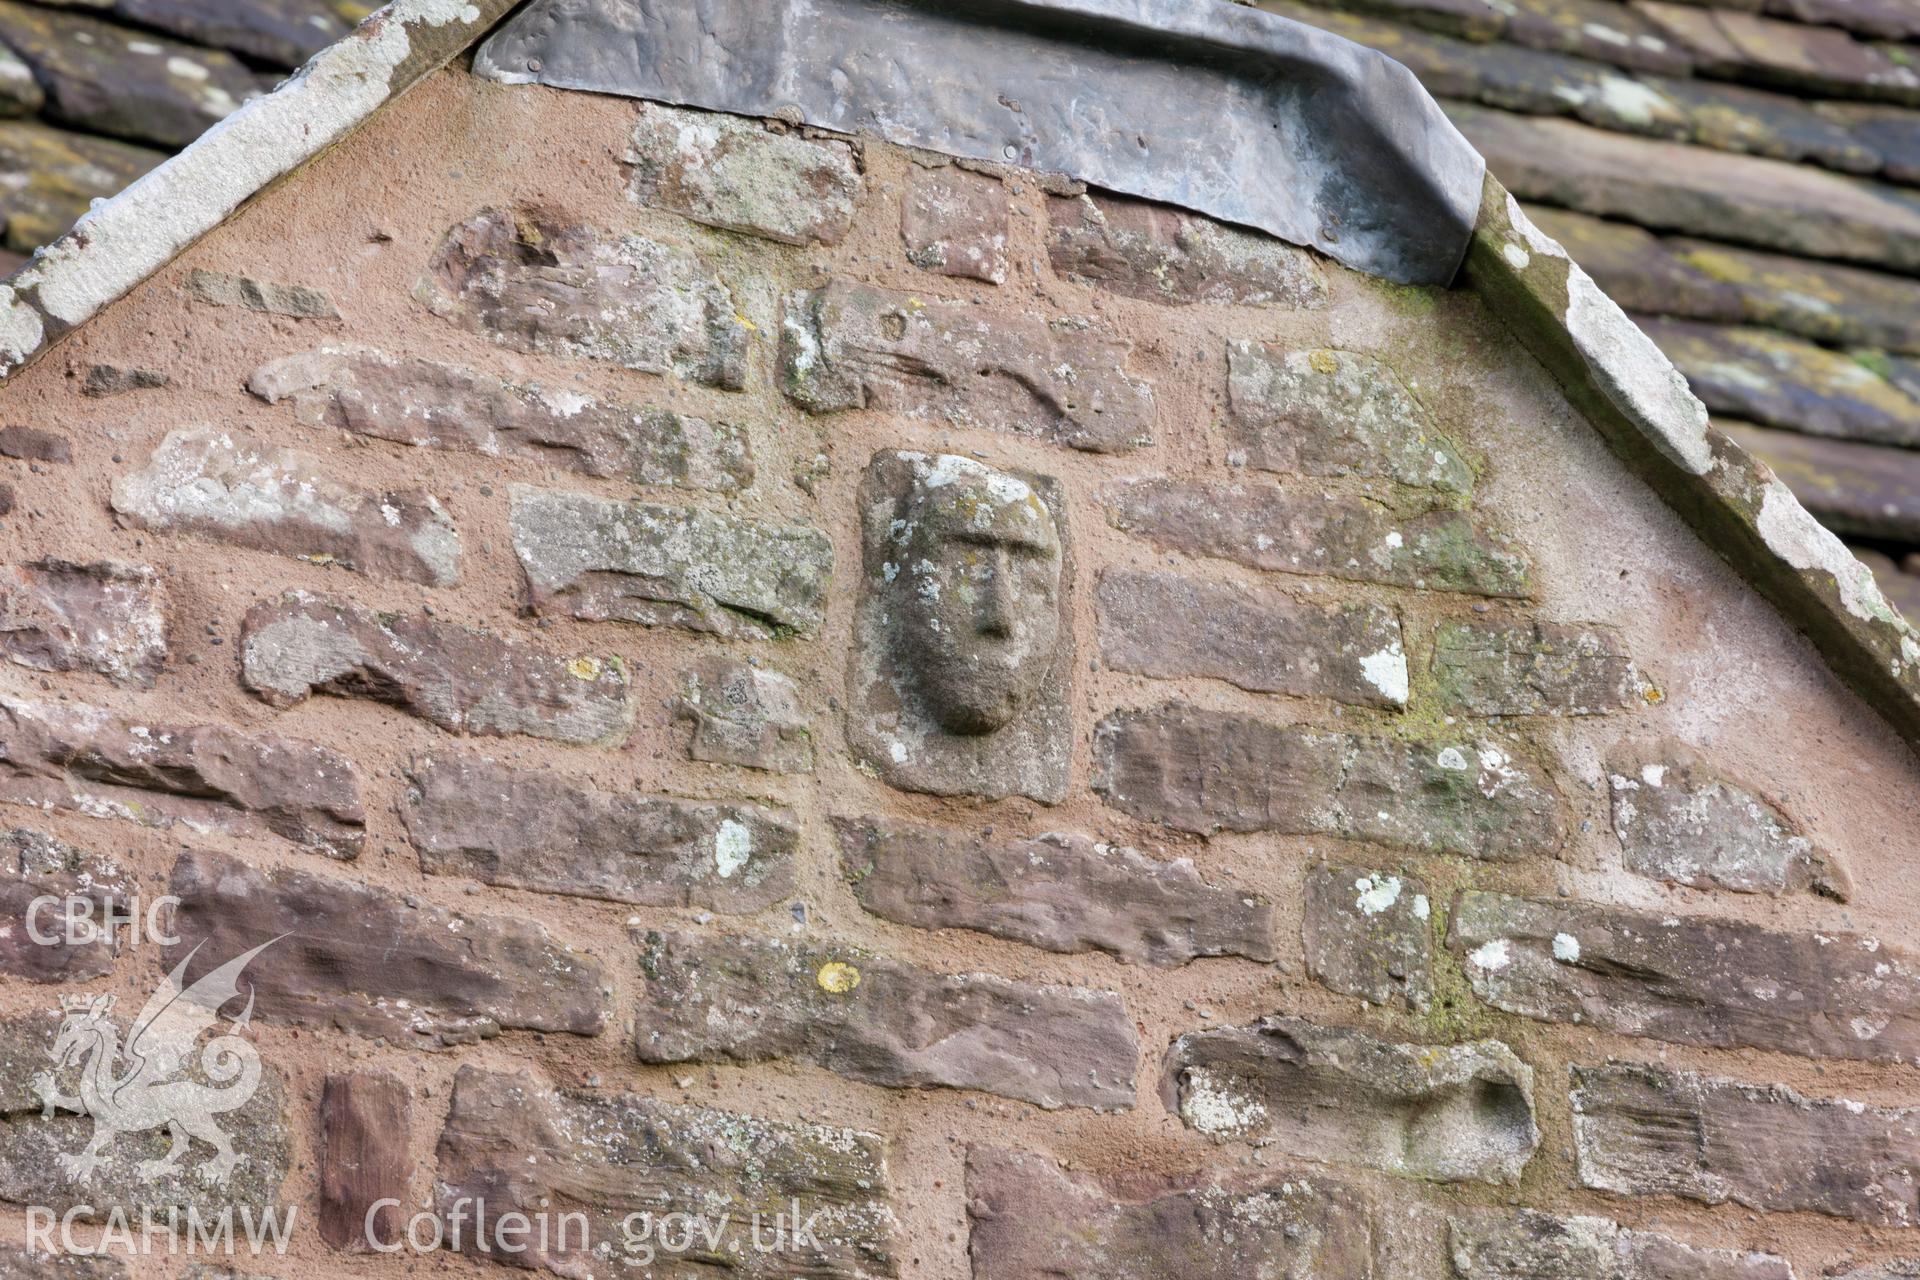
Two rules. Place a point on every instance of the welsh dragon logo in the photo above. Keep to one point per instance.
(138, 1088)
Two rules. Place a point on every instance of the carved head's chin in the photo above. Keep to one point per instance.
(972, 721)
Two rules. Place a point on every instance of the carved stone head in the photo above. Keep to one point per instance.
(976, 594)
(961, 664)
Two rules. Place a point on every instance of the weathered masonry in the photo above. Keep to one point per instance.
(1041, 699)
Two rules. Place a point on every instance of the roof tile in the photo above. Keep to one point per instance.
(1671, 186)
(58, 175)
(123, 83)
(284, 33)
(1746, 46)
(1775, 380)
(1863, 490)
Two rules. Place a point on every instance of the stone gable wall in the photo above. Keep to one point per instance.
(752, 672)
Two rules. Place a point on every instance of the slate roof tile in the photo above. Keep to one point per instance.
(281, 33)
(48, 176)
(1744, 181)
(1861, 490)
(1716, 194)
(1732, 45)
(122, 82)
(1782, 381)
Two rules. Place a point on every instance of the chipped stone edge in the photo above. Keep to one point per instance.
(124, 240)
(1623, 383)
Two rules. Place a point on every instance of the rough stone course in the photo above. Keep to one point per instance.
(1286, 1223)
(1062, 380)
(525, 1145)
(435, 405)
(464, 681)
(528, 829)
(241, 490)
(1214, 644)
(1456, 1113)
(210, 777)
(1822, 994)
(1173, 625)
(600, 559)
(1648, 1131)
(1209, 771)
(531, 284)
(713, 998)
(1058, 892)
(736, 175)
(377, 963)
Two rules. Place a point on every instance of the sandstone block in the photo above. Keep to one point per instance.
(35, 865)
(527, 1147)
(1173, 625)
(297, 301)
(1146, 1227)
(19, 1262)
(205, 777)
(103, 616)
(31, 444)
(954, 222)
(443, 406)
(1494, 1244)
(464, 681)
(364, 960)
(245, 492)
(1311, 532)
(717, 999)
(1163, 254)
(1458, 1113)
(530, 283)
(1063, 893)
(738, 175)
(746, 715)
(1642, 1130)
(105, 380)
(1208, 771)
(600, 559)
(1680, 821)
(1691, 980)
(1535, 669)
(1334, 413)
(851, 346)
(532, 829)
(1367, 934)
(365, 1123)
(130, 1176)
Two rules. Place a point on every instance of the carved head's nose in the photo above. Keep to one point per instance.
(995, 616)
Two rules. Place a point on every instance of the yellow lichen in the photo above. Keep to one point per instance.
(836, 977)
(584, 668)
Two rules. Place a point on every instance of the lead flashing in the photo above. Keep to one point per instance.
(1233, 112)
